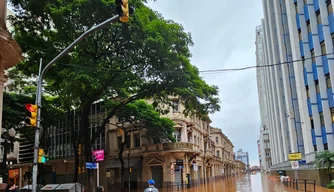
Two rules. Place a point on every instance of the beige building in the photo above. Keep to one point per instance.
(224, 151)
(240, 167)
(193, 158)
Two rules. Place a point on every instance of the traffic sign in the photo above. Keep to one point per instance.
(98, 155)
(294, 164)
(90, 165)
(295, 156)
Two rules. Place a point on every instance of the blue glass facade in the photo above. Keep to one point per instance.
(315, 24)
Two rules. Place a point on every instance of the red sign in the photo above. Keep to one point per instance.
(98, 155)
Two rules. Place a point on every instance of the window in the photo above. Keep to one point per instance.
(318, 17)
(137, 140)
(307, 92)
(128, 141)
(328, 81)
(329, 7)
(119, 141)
(156, 140)
(322, 121)
(217, 140)
(218, 153)
(308, 26)
(312, 55)
(176, 106)
(323, 48)
(317, 86)
(312, 122)
(332, 114)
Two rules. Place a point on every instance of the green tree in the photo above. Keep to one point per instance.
(148, 57)
(137, 116)
(325, 160)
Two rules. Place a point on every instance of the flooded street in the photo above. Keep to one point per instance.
(244, 183)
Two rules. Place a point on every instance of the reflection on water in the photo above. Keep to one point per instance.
(245, 183)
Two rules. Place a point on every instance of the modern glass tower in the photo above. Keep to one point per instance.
(297, 37)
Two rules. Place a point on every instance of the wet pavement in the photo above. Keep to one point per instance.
(244, 183)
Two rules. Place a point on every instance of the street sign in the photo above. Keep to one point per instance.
(90, 165)
(295, 156)
(98, 155)
(294, 164)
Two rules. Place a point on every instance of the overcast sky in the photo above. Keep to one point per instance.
(224, 35)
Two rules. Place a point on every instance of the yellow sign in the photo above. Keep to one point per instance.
(295, 156)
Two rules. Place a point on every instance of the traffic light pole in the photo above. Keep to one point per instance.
(40, 91)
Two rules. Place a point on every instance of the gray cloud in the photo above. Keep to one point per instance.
(224, 35)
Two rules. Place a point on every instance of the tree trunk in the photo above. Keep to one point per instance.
(75, 143)
(88, 146)
(121, 159)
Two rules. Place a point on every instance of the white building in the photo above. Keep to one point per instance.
(298, 36)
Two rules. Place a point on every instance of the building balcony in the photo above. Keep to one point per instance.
(178, 147)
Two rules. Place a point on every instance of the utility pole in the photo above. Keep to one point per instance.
(40, 91)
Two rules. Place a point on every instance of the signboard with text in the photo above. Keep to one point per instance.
(294, 156)
(98, 155)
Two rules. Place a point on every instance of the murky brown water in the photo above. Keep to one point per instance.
(244, 183)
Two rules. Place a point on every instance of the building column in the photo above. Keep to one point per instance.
(300, 87)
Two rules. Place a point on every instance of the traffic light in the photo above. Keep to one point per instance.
(79, 149)
(31, 114)
(120, 131)
(42, 158)
(123, 10)
(130, 170)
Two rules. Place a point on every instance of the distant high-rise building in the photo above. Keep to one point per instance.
(297, 61)
(243, 156)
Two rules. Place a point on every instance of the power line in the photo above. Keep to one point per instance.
(209, 71)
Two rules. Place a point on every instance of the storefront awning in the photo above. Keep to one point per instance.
(115, 163)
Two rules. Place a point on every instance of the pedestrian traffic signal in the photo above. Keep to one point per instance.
(122, 9)
(42, 158)
(31, 114)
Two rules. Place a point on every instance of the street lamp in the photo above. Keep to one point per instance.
(5, 136)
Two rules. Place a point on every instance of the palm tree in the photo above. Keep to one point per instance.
(325, 160)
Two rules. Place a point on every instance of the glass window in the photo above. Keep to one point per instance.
(318, 17)
(307, 92)
(323, 48)
(296, 7)
(308, 26)
(217, 141)
(322, 121)
(328, 81)
(332, 114)
(312, 55)
(329, 7)
(317, 86)
(312, 122)
(137, 140)
(119, 141)
(176, 106)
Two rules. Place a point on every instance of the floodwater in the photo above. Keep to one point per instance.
(244, 183)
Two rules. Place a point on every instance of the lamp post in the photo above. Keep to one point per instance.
(5, 136)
